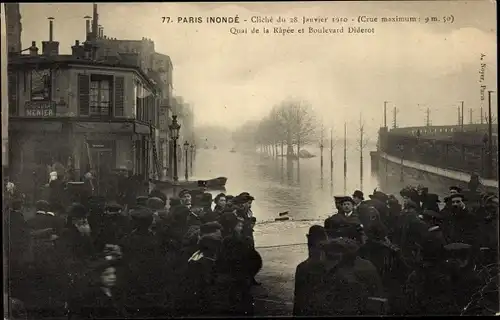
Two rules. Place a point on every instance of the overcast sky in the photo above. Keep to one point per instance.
(232, 78)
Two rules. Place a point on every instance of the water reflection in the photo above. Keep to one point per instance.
(279, 184)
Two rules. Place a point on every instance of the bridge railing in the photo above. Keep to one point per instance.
(446, 154)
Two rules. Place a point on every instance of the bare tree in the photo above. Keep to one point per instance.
(362, 142)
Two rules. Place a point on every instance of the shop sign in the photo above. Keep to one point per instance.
(40, 109)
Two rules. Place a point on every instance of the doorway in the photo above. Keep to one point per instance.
(103, 162)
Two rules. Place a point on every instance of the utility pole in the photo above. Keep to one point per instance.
(345, 157)
(458, 112)
(470, 116)
(490, 136)
(481, 119)
(428, 117)
(394, 120)
(385, 114)
(462, 123)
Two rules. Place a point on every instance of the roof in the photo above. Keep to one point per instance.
(65, 59)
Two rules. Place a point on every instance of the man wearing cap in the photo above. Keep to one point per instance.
(244, 201)
(358, 197)
(185, 197)
(460, 225)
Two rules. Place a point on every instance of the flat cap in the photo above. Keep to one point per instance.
(155, 203)
(210, 227)
(141, 200)
(113, 206)
(455, 188)
(42, 205)
(141, 213)
(346, 199)
(183, 192)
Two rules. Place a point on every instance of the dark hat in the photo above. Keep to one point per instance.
(77, 210)
(244, 194)
(220, 195)
(341, 244)
(42, 205)
(379, 195)
(245, 197)
(229, 197)
(458, 189)
(141, 200)
(113, 206)
(158, 194)
(316, 234)
(432, 197)
(141, 213)
(210, 227)
(457, 247)
(456, 195)
(358, 194)
(155, 203)
(253, 219)
(346, 199)
(183, 192)
(337, 199)
(432, 214)
(408, 192)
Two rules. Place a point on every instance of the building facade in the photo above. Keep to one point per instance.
(87, 115)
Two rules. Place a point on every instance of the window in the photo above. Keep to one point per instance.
(40, 85)
(100, 95)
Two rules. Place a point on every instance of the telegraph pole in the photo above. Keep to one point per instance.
(428, 118)
(394, 120)
(385, 114)
(321, 146)
(458, 112)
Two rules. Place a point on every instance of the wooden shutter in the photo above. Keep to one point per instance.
(13, 93)
(119, 96)
(83, 94)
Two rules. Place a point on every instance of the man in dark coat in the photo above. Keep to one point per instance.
(308, 273)
(141, 255)
(237, 264)
(460, 224)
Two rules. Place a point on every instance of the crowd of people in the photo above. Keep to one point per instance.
(378, 257)
(194, 255)
(157, 257)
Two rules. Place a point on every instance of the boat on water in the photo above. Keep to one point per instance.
(233, 150)
(211, 184)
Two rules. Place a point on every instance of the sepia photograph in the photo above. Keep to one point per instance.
(249, 159)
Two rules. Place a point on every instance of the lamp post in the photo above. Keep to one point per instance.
(186, 149)
(192, 154)
(174, 135)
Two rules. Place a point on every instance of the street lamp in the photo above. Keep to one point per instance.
(174, 134)
(192, 154)
(186, 149)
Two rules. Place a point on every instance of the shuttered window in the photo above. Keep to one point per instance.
(83, 94)
(13, 94)
(119, 96)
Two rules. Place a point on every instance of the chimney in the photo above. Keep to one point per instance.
(33, 49)
(77, 51)
(51, 29)
(87, 26)
(95, 23)
(50, 48)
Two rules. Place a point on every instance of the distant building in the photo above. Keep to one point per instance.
(14, 27)
(82, 112)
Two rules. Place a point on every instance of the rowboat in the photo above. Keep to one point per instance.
(211, 184)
